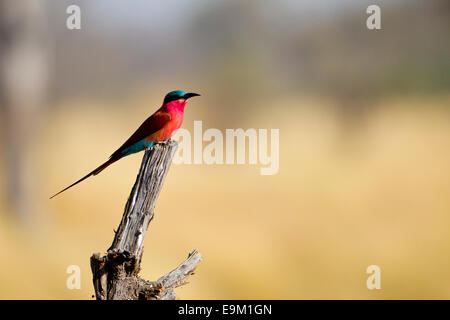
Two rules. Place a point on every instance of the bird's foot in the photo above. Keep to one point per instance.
(164, 141)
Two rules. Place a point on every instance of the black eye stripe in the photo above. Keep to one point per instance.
(170, 99)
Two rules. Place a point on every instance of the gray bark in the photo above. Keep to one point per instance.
(115, 275)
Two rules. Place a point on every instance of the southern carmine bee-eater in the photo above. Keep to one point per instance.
(158, 127)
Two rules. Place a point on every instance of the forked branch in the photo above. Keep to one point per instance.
(115, 275)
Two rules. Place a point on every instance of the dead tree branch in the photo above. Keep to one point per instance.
(115, 275)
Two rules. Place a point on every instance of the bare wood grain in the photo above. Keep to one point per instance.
(115, 276)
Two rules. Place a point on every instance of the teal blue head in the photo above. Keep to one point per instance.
(178, 94)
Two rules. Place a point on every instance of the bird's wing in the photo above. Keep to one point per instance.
(153, 123)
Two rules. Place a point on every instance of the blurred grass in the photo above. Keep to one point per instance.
(339, 203)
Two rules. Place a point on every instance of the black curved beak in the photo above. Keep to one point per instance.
(190, 95)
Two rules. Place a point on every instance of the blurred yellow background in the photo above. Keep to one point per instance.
(364, 125)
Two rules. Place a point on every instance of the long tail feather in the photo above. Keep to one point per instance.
(93, 173)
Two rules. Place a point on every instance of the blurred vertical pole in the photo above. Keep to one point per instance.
(23, 82)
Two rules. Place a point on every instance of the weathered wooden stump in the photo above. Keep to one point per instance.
(115, 275)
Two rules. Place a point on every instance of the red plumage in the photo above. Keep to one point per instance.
(158, 127)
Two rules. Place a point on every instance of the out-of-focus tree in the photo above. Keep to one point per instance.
(23, 82)
(355, 66)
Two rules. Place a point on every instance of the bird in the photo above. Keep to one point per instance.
(157, 128)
